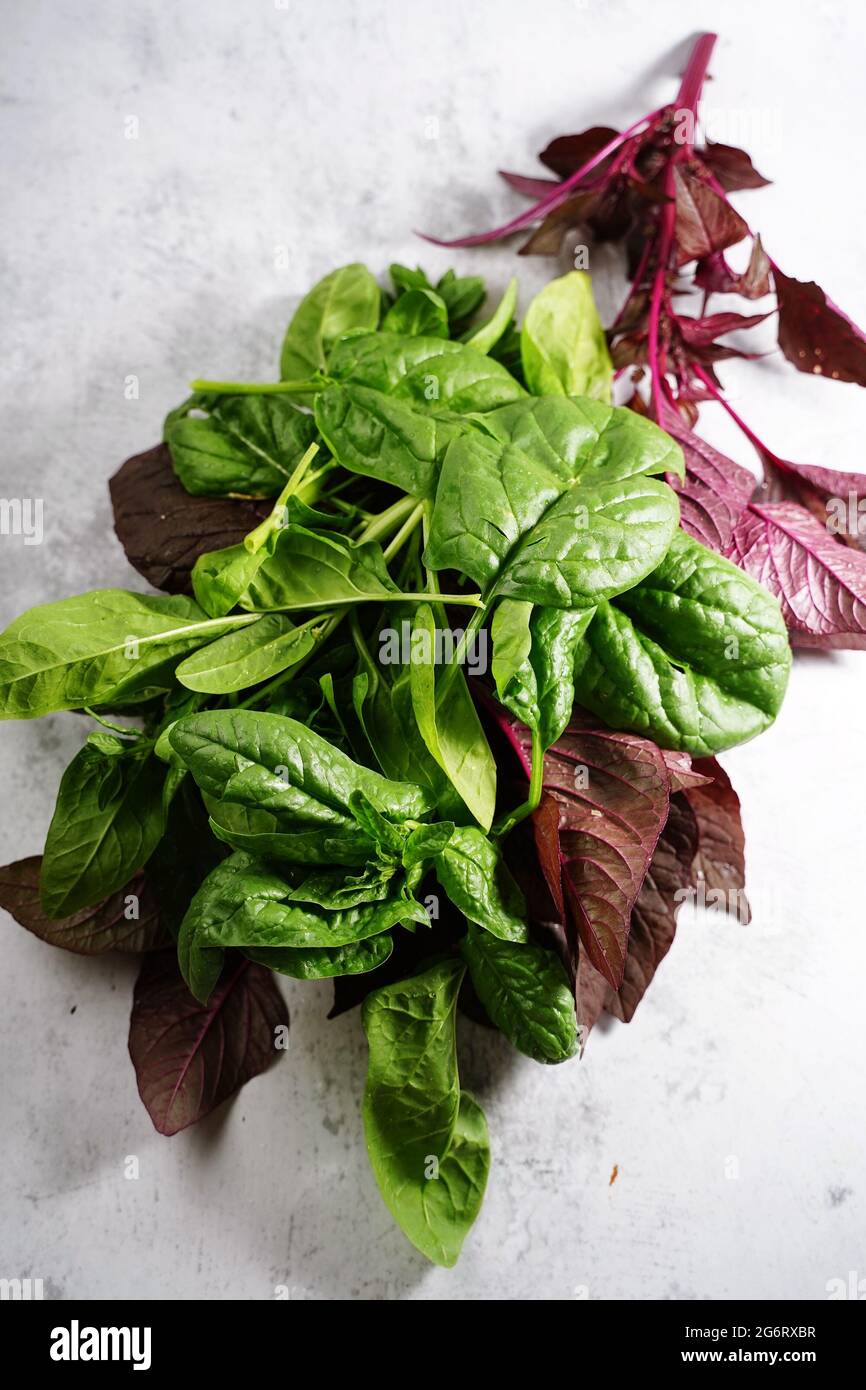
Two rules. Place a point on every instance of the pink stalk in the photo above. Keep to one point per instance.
(553, 199)
(687, 99)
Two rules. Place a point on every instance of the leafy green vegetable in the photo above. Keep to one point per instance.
(417, 312)
(427, 1140)
(562, 343)
(463, 296)
(696, 656)
(449, 724)
(488, 335)
(533, 663)
(105, 647)
(237, 445)
(431, 372)
(270, 762)
(582, 438)
(526, 993)
(107, 821)
(472, 872)
(249, 655)
(324, 962)
(347, 299)
(415, 448)
(221, 577)
(311, 570)
(370, 432)
(505, 519)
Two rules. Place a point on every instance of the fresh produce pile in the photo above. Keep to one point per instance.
(328, 779)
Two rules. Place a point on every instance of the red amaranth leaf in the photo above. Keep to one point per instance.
(837, 500)
(714, 275)
(654, 918)
(820, 583)
(653, 924)
(529, 187)
(705, 222)
(567, 153)
(163, 529)
(92, 931)
(719, 862)
(612, 792)
(190, 1057)
(547, 238)
(731, 167)
(682, 771)
(815, 335)
(591, 992)
(716, 490)
(702, 332)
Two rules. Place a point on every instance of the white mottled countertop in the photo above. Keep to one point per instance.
(273, 142)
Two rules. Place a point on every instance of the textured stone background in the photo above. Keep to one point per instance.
(308, 127)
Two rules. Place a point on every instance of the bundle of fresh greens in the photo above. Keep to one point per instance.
(327, 778)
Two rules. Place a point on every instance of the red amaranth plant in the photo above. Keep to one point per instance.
(664, 196)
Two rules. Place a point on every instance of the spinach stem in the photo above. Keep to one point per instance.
(385, 522)
(409, 525)
(117, 728)
(257, 388)
(536, 787)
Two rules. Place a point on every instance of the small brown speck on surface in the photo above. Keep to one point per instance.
(614, 1175)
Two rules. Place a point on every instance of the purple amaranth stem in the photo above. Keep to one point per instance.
(687, 100)
(554, 198)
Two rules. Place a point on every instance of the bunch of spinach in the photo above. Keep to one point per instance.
(312, 787)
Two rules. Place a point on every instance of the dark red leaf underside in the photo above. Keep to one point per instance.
(190, 1057)
(731, 167)
(126, 921)
(612, 793)
(163, 529)
(705, 222)
(720, 859)
(820, 583)
(815, 335)
(716, 490)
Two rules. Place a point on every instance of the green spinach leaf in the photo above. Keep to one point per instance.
(427, 1140)
(463, 296)
(324, 962)
(695, 657)
(526, 993)
(104, 647)
(562, 341)
(533, 663)
(506, 519)
(449, 725)
(372, 433)
(347, 299)
(107, 821)
(417, 313)
(275, 764)
(429, 372)
(237, 445)
(583, 438)
(486, 337)
(250, 655)
(471, 870)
